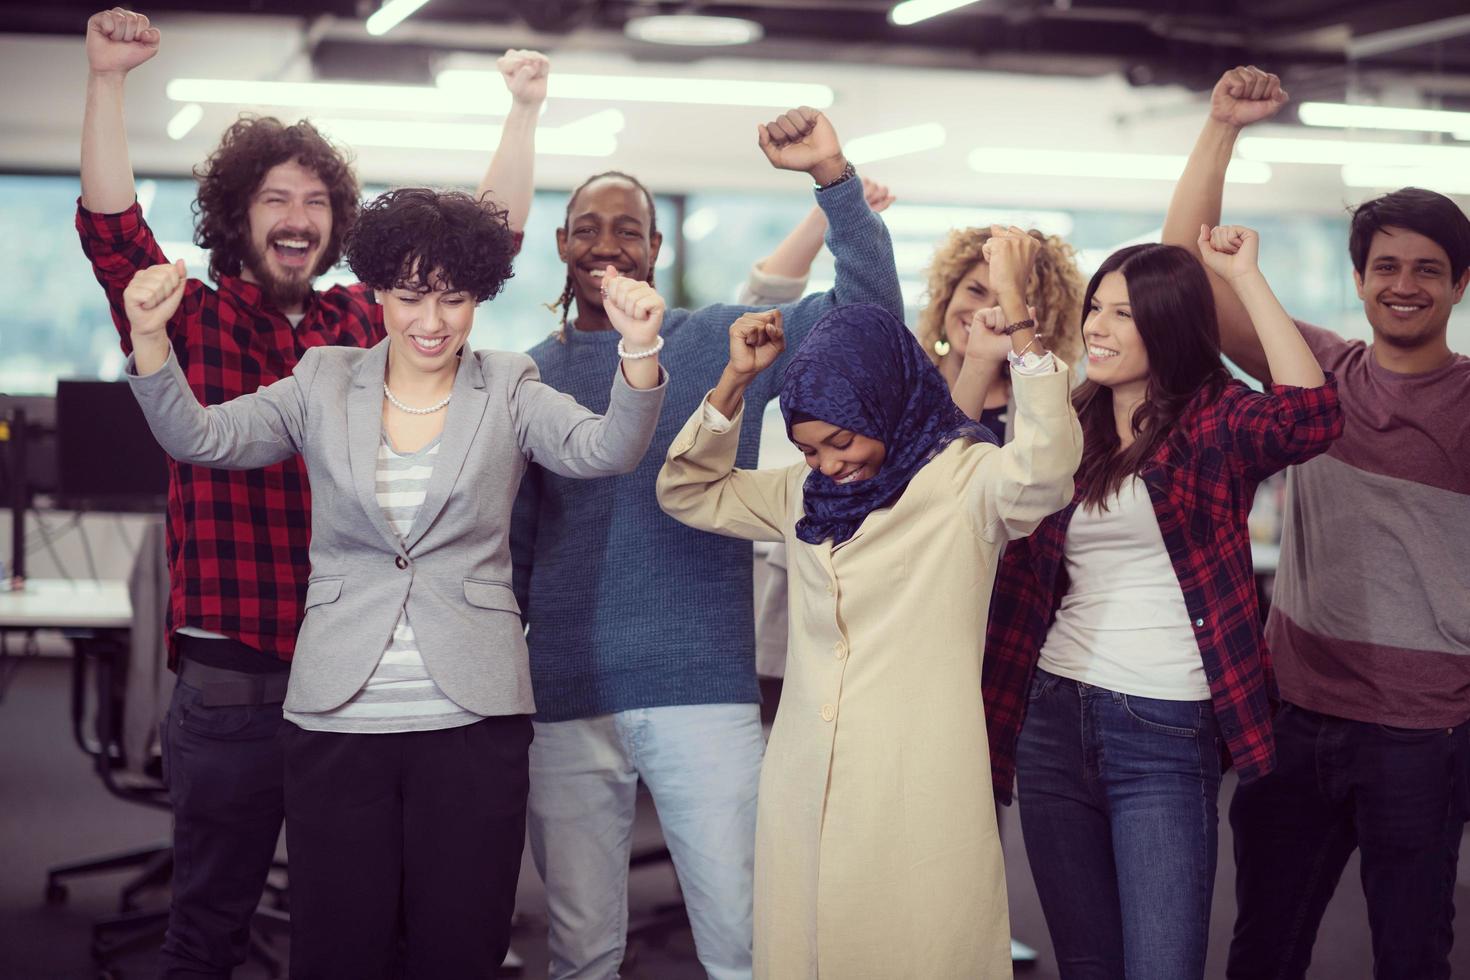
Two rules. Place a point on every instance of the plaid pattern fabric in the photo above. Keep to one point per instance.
(1202, 481)
(237, 539)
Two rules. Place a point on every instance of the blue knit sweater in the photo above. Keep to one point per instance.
(628, 608)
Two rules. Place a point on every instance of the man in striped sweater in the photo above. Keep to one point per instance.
(1370, 625)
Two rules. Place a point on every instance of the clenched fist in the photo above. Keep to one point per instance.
(985, 342)
(119, 40)
(634, 309)
(1010, 253)
(153, 297)
(803, 140)
(756, 340)
(525, 74)
(1229, 251)
(1246, 95)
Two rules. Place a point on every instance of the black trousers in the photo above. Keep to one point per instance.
(405, 849)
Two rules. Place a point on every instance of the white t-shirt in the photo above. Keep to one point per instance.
(1123, 625)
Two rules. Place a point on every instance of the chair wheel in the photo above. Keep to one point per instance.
(55, 893)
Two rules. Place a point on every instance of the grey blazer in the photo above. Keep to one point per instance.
(453, 571)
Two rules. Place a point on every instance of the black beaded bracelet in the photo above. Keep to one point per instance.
(1026, 324)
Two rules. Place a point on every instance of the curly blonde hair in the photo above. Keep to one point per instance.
(1055, 289)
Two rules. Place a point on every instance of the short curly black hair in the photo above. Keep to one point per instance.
(404, 237)
(230, 177)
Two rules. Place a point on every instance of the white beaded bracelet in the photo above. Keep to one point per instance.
(658, 345)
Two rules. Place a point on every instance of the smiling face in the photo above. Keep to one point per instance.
(609, 224)
(839, 454)
(1406, 288)
(1116, 356)
(426, 329)
(971, 293)
(290, 220)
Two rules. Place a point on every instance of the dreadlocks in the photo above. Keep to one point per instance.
(563, 303)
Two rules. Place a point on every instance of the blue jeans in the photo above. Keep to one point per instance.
(1399, 796)
(702, 765)
(1118, 798)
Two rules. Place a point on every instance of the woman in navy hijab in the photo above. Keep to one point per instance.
(876, 845)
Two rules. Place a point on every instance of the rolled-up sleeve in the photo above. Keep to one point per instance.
(1272, 430)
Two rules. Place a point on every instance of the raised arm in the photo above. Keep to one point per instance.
(1243, 96)
(511, 178)
(242, 434)
(117, 42)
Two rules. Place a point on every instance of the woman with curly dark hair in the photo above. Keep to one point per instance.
(410, 697)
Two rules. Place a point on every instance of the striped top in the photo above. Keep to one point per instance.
(400, 696)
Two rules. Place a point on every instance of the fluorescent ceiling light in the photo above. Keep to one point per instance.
(1120, 166)
(594, 136)
(1446, 181)
(185, 120)
(929, 221)
(695, 30)
(418, 99)
(391, 14)
(1384, 117)
(894, 143)
(913, 11)
(636, 88)
(1343, 152)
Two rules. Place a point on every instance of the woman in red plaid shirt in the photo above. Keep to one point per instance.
(1124, 655)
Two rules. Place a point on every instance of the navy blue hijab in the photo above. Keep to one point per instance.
(862, 370)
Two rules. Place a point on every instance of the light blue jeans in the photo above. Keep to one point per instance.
(702, 765)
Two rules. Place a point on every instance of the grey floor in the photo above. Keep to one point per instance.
(53, 809)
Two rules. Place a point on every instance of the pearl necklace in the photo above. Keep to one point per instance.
(437, 406)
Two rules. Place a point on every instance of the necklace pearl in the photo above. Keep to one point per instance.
(437, 406)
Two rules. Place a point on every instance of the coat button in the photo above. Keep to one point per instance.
(839, 650)
(828, 712)
(1199, 622)
(401, 562)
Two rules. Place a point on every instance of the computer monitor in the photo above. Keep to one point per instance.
(107, 459)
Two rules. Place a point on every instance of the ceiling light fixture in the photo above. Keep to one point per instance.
(1384, 117)
(593, 136)
(185, 120)
(913, 11)
(1444, 180)
(894, 143)
(391, 14)
(1344, 152)
(1119, 166)
(693, 30)
(417, 99)
(636, 88)
(928, 221)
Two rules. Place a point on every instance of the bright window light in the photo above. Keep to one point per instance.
(391, 14)
(913, 11)
(1446, 181)
(700, 223)
(1344, 152)
(1120, 166)
(894, 143)
(1384, 117)
(635, 88)
(694, 30)
(594, 136)
(419, 99)
(185, 120)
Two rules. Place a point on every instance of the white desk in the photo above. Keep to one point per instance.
(49, 603)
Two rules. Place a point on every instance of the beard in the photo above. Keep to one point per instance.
(285, 292)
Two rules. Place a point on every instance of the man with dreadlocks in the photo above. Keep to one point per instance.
(275, 204)
(641, 634)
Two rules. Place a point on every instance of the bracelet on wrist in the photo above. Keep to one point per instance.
(658, 345)
(1027, 324)
(848, 173)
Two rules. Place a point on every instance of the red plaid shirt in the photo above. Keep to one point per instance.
(1201, 480)
(237, 539)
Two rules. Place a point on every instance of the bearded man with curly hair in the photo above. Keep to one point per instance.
(275, 205)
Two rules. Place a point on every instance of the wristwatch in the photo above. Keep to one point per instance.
(848, 173)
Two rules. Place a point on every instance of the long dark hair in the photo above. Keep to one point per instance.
(1174, 311)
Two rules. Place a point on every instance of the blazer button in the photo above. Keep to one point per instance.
(828, 712)
(839, 650)
(400, 561)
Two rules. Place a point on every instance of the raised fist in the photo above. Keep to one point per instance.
(1246, 95)
(877, 195)
(153, 296)
(1229, 251)
(985, 341)
(803, 140)
(634, 309)
(1010, 252)
(119, 40)
(756, 340)
(525, 74)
